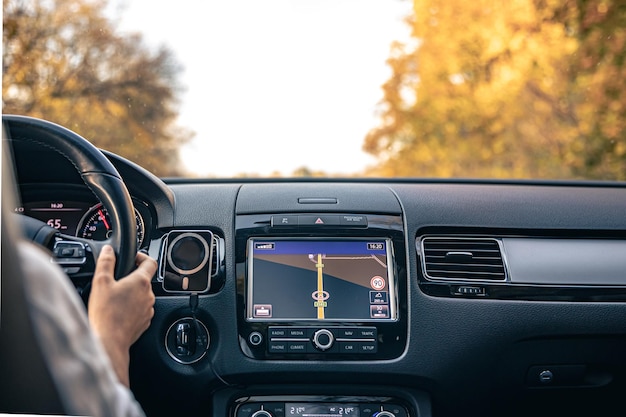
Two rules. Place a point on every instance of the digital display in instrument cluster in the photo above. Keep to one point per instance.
(61, 215)
(77, 218)
(317, 280)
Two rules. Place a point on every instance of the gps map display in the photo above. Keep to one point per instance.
(311, 280)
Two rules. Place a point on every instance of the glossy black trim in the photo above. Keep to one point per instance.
(392, 336)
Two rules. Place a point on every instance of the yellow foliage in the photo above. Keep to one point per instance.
(520, 88)
(63, 62)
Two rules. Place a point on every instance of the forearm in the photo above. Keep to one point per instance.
(119, 357)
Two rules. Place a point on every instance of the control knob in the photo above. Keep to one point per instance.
(323, 339)
(262, 413)
(384, 414)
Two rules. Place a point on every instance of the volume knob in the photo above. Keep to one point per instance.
(323, 339)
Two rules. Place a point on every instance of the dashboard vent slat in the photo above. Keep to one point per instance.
(215, 259)
(473, 259)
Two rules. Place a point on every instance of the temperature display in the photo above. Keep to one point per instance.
(322, 410)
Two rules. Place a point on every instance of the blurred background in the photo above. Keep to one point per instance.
(377, 88)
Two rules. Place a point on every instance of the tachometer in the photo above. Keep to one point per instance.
(96, 225)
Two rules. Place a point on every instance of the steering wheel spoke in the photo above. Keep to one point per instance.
(76, 255)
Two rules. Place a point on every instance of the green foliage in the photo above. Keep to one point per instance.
(521, 88)
(64, 62)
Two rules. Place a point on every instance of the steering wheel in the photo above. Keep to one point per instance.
(102, 179)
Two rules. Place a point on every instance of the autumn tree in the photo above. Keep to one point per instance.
(522, 88)
(600, 62)
(63, 61)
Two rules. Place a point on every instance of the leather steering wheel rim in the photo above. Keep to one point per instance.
(97, 172)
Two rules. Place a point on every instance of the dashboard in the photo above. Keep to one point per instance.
(366, 297)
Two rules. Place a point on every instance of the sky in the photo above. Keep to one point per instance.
(274, 85)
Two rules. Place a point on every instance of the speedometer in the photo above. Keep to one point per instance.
(96, 225)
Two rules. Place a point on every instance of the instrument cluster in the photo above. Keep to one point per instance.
(79, 214)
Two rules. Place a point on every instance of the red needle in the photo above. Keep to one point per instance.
(104, 219)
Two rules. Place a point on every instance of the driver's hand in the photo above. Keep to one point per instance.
(120, 311)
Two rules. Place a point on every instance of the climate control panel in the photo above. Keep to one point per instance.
(320, 409)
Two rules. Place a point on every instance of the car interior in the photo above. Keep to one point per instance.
(334, 297)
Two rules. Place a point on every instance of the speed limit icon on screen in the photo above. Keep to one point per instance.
(377, 283)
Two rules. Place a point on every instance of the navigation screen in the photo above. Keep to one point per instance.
(311, 280)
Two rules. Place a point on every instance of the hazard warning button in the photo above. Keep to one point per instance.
(320, 221)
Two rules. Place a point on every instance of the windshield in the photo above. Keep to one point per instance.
(330, 88)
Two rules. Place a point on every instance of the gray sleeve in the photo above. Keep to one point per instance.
(77, 361)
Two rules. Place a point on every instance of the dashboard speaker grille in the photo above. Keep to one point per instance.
(472, 259)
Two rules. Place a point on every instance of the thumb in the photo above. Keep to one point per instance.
(105, 266)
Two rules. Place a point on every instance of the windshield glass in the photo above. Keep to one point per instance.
(330, 88)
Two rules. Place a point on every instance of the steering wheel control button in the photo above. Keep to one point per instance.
(67, 253)
(187, 340)
(186, 259)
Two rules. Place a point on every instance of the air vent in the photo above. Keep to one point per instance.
(472, 259)
(217, 256)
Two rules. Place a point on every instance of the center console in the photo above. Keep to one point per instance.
(323, 286)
